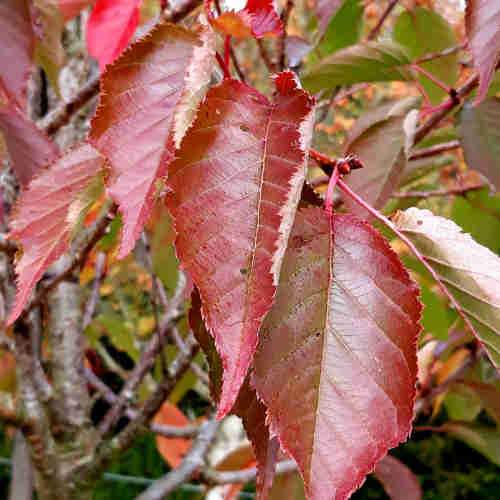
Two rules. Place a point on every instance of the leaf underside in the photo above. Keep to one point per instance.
(45, 215)
(482, 24)
(29, 148)
(234, 191)
(142, 103)
(470, 271)
(480, 137)
(17, 42)
(336, 362)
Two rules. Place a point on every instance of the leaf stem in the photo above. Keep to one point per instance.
(446, 88)
(416, 252)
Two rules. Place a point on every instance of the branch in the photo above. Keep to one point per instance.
(445, 108)
(168, 431)
(434, 150)
(146, 362)
(214, 477)
(442, 53)
(440, 192)
(375, 31)
(122, 441)
(285, 15)
(91, 304)
(192, 463)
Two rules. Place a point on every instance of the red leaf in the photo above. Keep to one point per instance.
(336, 364)
(398, 480)
(247, 406)
(172, 450)
(148, 99)
(110, 28)
(29, 148)
(45, 215)
(235, 188)
(17, 43)
(482, 24)
(259, 19)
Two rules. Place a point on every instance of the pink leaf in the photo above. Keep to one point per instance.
(234, 191)
(148, 100)
(17, 45)
(336, 363)
(258, 19)
(398, 480)
(482, 24)
(29, 148)
(45, 215)
(110, 28)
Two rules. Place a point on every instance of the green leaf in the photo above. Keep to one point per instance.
(462, 403)
(470, 271)
(437, 317)
(422, 32)
(480, 137)
(367, 62)
(479, 214)
(344, 29)
(485, 440)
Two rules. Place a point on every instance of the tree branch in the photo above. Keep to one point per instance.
(439, 192)
(168, 431)
(375, 31)
(192, 463)
(434, 150)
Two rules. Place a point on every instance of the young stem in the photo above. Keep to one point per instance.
(382, 218)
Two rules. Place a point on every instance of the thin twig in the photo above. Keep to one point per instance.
(442, 53)
(91, 304)
(434, 150)
(285, 15)
(122, 441)
(460, 191)
(214, 477)
(271, 67)
(192, 463)
(382, 218)
(145, 363)
(375, 31)
(168, 431)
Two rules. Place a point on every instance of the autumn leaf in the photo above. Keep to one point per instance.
(336, 362)
(71, 8)
(234, 191)
(172, 450)
(469, 271)
(149, 97)
(398, 480)
(482, 24)
(28, 147)
(110, 28)
(46, 213)
(480, 137)
(17, 42)
(258, 19)
(379, 139)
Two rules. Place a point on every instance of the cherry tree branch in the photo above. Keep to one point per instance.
(192, 463)
(434, 150)
(440, 192)
(376, 29)
(168, 431)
